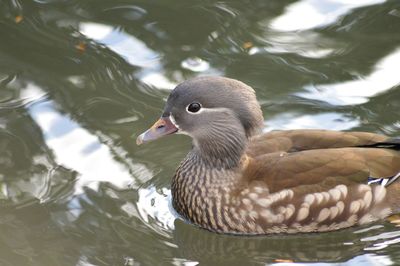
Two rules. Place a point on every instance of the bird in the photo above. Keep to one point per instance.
(238, 180)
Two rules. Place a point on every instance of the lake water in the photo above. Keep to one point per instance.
(79, 80)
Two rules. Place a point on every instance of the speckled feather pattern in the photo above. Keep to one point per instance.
(309, 190)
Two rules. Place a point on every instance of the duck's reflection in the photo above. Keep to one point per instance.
(206, 247)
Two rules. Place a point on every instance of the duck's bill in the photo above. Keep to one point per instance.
(161, 128)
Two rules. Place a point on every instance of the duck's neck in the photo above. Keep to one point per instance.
(220, 149)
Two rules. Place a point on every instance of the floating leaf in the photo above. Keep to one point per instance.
(18, 19)
(394, 219)
(247, 45)
(284, 260)
(81, 46)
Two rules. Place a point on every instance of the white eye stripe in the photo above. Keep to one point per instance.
(207, 110)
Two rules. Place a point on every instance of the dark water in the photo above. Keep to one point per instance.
(79, 80)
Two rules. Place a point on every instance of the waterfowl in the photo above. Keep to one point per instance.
(238, 180)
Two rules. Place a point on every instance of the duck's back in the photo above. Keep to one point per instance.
(308, 139)
(336, 179)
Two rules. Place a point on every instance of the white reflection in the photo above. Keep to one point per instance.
(156, 205)
(31, 93)
(389, 238)
(308, 14)
(333, 121)
(371, 228)
(77, 149)
(184, 262)
(84, 261)
(95, 31)
(288, 48)
(133, 50)
(157, 80)
(384, 77)
(308, 44)
(195, 64)
(362, 260)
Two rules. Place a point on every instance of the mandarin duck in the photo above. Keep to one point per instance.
(238, 180)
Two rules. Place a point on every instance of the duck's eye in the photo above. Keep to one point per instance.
(194, 107)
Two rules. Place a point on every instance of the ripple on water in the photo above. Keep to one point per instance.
(14, 93)
(195, 64)
(39, 178)
(129, 12)
(382, 240)
(383, 78)
(78, 149)
(62, 158)
(309, 14)
(306, 44)
(28, 172)
(156, 206)
(135, 52)
(330, 120)
(361, 260)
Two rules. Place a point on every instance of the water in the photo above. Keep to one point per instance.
(79, 80)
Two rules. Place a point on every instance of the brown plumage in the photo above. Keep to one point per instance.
(236, 180)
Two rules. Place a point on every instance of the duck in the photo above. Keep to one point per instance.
(238, 180)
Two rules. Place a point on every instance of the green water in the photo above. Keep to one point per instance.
(79, 80)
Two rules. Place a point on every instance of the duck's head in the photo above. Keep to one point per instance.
(215, 111)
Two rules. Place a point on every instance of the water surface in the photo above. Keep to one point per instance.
(79, 80)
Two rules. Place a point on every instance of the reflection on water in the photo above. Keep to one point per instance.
(308, 14)
(367, 260)
(382, 78)
(75, 148)
(80, 79)
(157, 206)
(121, 43)
(332, 249)
(195, 64)
(307, 44)
(389, 238)
(332, 121)
(132, 50)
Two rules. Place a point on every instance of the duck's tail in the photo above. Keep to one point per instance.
(393, 144)
(385, 181)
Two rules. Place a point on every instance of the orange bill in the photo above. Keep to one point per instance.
(161, 128)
